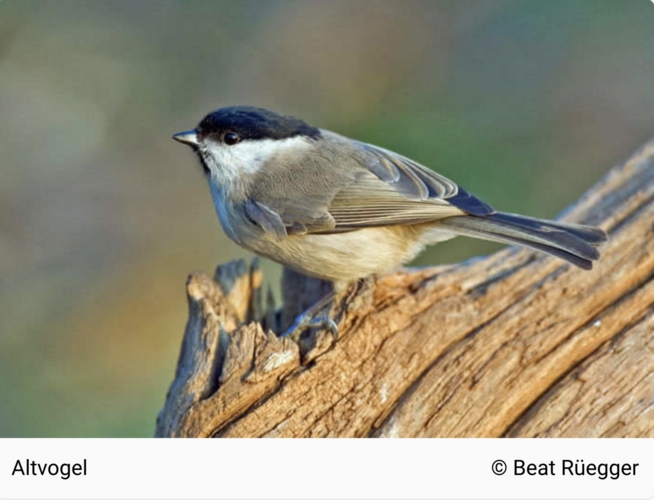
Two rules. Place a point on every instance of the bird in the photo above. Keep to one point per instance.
(339, 209)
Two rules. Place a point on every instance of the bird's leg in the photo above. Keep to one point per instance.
(308, 318)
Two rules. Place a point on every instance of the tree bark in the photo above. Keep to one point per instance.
(514, 344)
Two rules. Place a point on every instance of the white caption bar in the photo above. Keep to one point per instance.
(334, 468)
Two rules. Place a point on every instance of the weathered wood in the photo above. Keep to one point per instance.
(514, 344)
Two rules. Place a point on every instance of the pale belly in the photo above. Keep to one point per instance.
(345, 257)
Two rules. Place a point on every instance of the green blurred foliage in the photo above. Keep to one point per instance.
(102, 216)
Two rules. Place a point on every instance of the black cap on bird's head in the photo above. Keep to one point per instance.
(242, 124)
(251, 123)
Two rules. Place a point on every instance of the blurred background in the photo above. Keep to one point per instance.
(102, 216)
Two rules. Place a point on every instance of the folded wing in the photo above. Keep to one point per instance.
(377, 187)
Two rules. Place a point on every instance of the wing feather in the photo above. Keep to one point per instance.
(396, 190)
(370, 187)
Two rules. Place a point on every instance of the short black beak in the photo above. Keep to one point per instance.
(189, 137)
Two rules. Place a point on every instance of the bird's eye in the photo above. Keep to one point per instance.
(231, 138)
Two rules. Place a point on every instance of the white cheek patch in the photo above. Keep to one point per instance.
(227, 163)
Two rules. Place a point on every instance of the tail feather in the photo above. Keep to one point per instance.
(589, 234)
(574, 243)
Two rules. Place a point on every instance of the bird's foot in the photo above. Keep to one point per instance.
(311, 319)
(305, 321)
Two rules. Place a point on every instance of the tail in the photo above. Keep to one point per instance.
(571, 242)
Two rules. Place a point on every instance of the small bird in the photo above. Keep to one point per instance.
(339, 209)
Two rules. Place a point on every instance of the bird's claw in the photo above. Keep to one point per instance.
(305, 321)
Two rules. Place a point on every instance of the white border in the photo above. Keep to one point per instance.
(332, 468)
